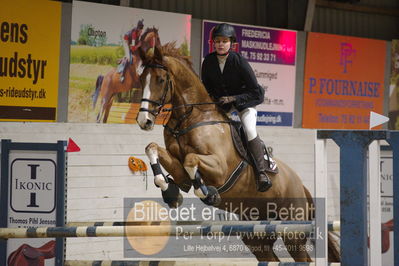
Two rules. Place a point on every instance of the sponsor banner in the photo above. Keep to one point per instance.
(29, 60)
(387, 233)
(101, 36)
(344, 81)
(32, 199)
(272, 55)
(394, 88)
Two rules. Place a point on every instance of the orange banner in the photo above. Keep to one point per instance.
(344, 81)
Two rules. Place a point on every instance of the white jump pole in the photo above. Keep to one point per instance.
(321, 193)
(375, 203)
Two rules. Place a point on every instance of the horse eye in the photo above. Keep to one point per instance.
(160, 80)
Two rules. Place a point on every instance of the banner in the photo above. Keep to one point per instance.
(344, 81)
(29, 60)
(102, 36)
(394, 88)
(272, 55)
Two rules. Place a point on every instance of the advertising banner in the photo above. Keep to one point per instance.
(394, 88)
(272, 55)
(387, 233)
(344, 81)
(29, 60)
(103, 82)
(32, 194)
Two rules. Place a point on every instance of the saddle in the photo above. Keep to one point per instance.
(27, 255)
(241, 145)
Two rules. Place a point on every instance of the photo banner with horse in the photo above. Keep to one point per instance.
(29, 61)
(104, 84)
(272, 55)
(343, 81)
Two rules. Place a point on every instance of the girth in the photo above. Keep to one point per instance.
(233, 177)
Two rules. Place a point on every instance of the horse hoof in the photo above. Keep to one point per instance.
(213, 198)
(172, 196)
(177, 203)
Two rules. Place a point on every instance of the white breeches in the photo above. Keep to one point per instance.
(126, 49)
(248, 120)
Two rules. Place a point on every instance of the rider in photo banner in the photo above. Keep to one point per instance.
(230, 80)
(131, 41)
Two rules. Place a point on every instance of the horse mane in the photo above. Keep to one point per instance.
(169, 49)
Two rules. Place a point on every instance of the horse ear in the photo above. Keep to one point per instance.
(158, 53)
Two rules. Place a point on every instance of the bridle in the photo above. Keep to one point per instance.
(162, 102)
(176, 131)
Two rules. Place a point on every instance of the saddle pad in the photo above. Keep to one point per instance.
(239, 146)
(242, 151)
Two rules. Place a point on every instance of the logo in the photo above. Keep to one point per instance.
(33, 185)
(347, 54)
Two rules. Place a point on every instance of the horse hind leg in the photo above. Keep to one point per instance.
(170, 191)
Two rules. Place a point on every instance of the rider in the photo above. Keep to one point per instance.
(230, 80)
(128, 46)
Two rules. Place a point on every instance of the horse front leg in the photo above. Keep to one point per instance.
(211, 167)
(170, 191)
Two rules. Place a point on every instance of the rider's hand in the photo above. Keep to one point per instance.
(227, 99)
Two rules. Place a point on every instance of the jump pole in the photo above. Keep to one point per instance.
(320, 192)
(393, 140)
(299, 227)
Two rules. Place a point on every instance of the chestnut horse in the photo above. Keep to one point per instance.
(200, 152)
(109, 85)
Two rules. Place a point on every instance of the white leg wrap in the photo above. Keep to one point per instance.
(191, 172)
(159, 179)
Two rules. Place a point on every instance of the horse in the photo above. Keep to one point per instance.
(200, 152)
(109, 85)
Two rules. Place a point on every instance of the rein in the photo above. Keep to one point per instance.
(176, 132)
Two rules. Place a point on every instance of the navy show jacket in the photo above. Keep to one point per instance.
(237, 79)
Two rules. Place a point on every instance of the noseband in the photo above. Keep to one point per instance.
(160, 103)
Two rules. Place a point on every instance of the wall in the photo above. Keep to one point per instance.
(98, 177)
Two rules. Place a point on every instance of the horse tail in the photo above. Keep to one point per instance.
(334, 254)
(94, 97)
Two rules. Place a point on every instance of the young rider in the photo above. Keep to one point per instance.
(230, 80)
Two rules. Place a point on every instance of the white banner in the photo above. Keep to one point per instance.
(272, 55)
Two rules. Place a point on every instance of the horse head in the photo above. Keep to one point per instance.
(157, 87)
(148, 41)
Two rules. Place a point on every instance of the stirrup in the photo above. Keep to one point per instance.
(272, 164)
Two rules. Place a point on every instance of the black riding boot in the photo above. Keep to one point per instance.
(256, 148)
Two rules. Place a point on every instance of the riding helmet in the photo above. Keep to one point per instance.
(224, 30)
(140, 24)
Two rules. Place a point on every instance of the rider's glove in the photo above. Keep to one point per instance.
(227, 99)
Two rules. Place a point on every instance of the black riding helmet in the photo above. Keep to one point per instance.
(140, 24)
(224, 30)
